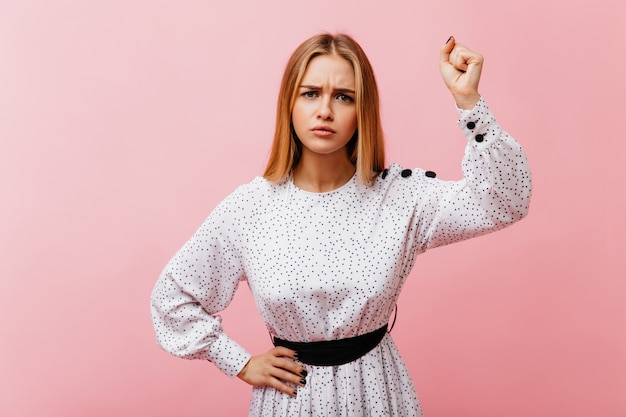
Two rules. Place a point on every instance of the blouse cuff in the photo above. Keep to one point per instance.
(228, 355)
(479, 125)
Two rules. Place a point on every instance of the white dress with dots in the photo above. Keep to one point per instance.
(325, 266)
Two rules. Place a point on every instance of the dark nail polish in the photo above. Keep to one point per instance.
(303, 381)
(296, 354)
(295, 392)
(304, 372)
(449, 39)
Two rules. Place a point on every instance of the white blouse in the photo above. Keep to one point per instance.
(325, 266)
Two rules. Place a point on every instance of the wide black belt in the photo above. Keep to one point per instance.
(334, 352)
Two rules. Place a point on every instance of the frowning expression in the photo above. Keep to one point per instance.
(324, 112)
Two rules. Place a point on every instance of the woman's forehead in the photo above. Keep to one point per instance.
(329, 69)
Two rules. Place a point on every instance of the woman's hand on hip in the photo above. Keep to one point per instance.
(275, 368)
(460, 68)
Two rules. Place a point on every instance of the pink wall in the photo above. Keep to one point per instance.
(122, 124)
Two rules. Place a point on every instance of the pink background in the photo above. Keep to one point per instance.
(123, 123)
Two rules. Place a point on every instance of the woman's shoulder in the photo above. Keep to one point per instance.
(256, 190)
(396, 172)
(259, 186)
(245, 200)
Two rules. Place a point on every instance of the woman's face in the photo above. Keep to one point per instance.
(324, 112)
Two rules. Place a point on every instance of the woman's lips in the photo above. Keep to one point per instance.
(322, 131)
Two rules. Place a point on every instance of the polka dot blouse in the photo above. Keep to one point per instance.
(325, 266)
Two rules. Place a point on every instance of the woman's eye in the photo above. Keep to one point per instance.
(344, 98)
(310, 94)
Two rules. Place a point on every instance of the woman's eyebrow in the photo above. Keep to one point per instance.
(315, 87)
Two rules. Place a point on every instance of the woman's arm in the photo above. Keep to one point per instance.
(496, 189)
(199, 282)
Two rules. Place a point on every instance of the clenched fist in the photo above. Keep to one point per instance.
(460, 68)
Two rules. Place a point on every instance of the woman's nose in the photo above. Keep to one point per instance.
(325, 111)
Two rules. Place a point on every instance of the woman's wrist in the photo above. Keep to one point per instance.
(466, 101)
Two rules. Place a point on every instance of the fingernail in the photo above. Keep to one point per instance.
(449, 39)
(295, 392)
(296, 354)
(303, 381)
(304, 372)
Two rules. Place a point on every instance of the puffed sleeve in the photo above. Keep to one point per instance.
(495, 191)
(198, 282)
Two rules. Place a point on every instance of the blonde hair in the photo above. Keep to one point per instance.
(366, 149)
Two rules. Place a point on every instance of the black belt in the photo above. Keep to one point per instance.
(334, 352)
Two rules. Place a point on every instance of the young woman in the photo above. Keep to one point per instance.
(328, 235)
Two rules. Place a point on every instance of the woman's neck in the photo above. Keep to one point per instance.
(322, 173)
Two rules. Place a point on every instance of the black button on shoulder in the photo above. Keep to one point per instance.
(430, 174)
(385, 173)
(479, 138)
(471, 125)
(406, 173)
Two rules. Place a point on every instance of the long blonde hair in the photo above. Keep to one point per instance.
(366, 149)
